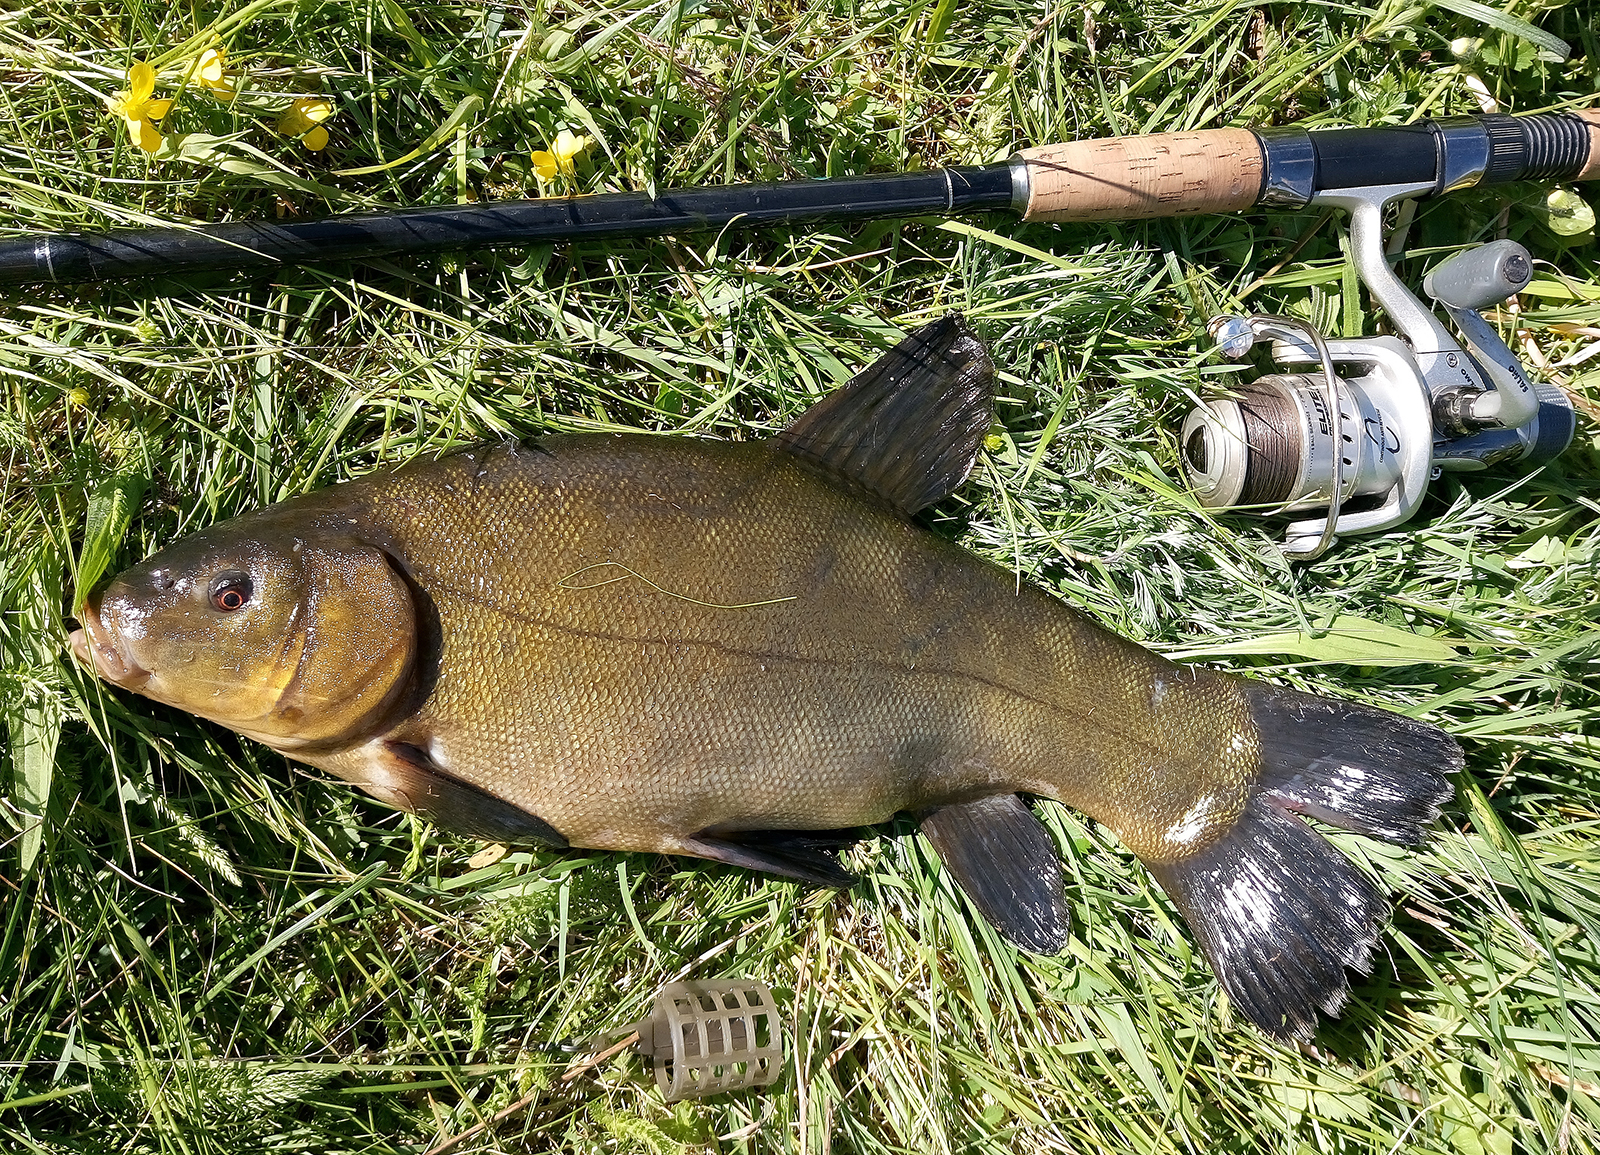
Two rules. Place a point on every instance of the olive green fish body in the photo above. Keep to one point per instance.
(739, 651)
(646, 638)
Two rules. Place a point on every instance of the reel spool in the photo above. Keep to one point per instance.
(1290, 443)
(1357, 437)
(1273, 448)
(708, 1037)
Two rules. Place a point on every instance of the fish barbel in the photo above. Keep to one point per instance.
(740, 651)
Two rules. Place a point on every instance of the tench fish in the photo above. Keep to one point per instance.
(744, 651)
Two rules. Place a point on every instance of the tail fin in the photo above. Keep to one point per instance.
(1278, 910)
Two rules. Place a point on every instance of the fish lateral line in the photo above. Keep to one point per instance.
(565, 584)
(907, 668)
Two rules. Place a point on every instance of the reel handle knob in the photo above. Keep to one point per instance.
(1481, 276)
(1232, 336)
(1467, 282)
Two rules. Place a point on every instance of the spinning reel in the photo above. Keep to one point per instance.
(1353, 430)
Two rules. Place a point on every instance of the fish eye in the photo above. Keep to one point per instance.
(230, 590)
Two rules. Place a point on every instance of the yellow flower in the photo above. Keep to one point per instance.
(304, 119)
(212, 72)
(136, 107)
(560, 157)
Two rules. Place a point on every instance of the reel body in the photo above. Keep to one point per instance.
(1357, 438)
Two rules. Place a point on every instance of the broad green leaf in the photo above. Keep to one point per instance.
(1494, 18)
(35, 728)
(1551, 551)
(1350, 639)
(197, 147)
(277, 177)
(221, 152)
(1470, 1129)
(1566, 214)
(111, 508)
(30, 710)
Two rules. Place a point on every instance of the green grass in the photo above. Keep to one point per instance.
(205, 949)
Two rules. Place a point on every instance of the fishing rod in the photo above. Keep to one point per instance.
(1349, 431)
(1119, 178)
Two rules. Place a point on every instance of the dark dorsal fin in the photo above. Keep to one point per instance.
(909, 426)
(1007, 865)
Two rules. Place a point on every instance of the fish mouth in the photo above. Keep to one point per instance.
(95, 645)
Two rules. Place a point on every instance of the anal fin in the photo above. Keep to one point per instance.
(807, 855)
(1007, 865)
(406, 776)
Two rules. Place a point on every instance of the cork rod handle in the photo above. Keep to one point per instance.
(1162, 174)
(1169, 174)
(1591, 171)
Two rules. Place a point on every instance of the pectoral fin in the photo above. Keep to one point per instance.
(1007, 865)
(808, 855)
(406, 776)
(909, 426)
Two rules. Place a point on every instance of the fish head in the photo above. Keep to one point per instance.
(293, 638)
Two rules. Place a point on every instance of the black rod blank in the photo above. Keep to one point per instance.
(72, 257)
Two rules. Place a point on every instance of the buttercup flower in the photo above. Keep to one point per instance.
(560, 157)
(212, 72)
(303, 119)
(136, 107)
